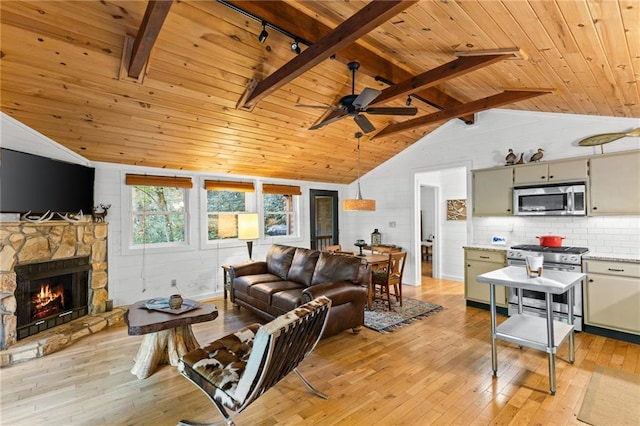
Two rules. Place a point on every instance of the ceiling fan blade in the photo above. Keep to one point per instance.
(365, 98)
(364, 123)
(392, 110)
(331, 118)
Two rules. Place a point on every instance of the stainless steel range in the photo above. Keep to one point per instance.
(555, 258)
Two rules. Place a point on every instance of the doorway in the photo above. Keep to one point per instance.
(428, 221)
(323, 218)
(450, 235)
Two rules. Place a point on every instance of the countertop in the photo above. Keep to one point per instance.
(556, 282)
(611, 257)
(486, 247)
(617, 257)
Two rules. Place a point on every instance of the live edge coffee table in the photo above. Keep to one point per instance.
(167, 336)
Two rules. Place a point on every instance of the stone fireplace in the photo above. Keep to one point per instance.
(28, 254)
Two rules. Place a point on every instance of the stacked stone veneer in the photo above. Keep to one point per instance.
(26, 242)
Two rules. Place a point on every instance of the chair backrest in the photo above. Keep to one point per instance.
(380, 249)
(334, 248)
(322, 241)
(279, 346)
(396, 266)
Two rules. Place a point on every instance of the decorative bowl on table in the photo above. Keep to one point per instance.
(360, 244)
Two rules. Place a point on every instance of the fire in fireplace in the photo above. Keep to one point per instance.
(48, 301)
(50, 293)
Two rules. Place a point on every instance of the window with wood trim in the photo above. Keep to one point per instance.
(280, 204)
(225, 200)
(158, 214)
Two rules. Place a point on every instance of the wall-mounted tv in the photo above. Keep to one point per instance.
(38, 184)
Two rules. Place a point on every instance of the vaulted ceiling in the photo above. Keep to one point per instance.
(190, 87)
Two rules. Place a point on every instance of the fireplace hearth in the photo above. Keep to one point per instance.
(50, 294)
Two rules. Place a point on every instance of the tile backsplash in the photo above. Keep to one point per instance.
(602, 234)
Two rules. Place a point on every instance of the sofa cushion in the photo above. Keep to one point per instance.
(302, 266)
(286, 300)
(263, 292)
(335, 267)
(243, 284)
(279, 259)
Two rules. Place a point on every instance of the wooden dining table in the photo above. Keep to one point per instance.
(376, 261)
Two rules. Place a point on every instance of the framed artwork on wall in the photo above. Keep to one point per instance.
(457, 209)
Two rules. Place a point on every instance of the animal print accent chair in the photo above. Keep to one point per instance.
(235, 369)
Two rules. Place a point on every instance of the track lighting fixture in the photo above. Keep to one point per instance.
(264, 34)
(408, 103)
(262, 37)
(295, 47)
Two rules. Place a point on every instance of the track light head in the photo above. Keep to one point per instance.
(408, 103)
(295, 47)
(263, 34)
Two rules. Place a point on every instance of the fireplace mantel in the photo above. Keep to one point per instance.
(26, 242)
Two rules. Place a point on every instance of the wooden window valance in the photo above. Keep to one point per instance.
(151, 180)
(281, 189)
(219, 185)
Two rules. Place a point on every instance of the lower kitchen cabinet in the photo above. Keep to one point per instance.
(479, 261)
(612, 295)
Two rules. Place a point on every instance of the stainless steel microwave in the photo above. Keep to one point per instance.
(550, 200)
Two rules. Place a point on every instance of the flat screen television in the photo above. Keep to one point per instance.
(38, 184)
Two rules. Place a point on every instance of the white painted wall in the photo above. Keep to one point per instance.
(395, 185)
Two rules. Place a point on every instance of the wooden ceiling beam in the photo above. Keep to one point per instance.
(150, 27)
(369, 17)
(438, 75)
(504, 98)
(283, 16)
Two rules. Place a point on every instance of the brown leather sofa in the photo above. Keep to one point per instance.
(291, 276)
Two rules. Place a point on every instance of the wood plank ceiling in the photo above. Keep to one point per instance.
(65, 69)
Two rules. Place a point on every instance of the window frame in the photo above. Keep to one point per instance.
(297, 216)
(250, 207)
(205, 242)
(129, 248)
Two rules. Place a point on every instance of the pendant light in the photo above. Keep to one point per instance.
(359, 203)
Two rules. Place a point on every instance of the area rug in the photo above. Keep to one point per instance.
(612, 398)
(382, 320)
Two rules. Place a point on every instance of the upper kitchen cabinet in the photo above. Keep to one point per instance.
(614, 184)
(493, 192)
(557, 171)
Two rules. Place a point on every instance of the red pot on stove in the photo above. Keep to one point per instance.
(551, 240)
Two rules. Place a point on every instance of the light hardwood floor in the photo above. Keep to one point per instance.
(433, 371)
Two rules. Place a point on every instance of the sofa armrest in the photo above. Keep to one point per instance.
(339, 292)
(249, 268)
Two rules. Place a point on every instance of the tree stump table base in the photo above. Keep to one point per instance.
(163, 347)
(167, 336)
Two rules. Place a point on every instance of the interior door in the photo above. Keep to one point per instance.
(324, 218)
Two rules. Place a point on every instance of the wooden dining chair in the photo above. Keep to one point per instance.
(386, 278)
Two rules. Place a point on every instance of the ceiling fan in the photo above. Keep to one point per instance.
(354, 105)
